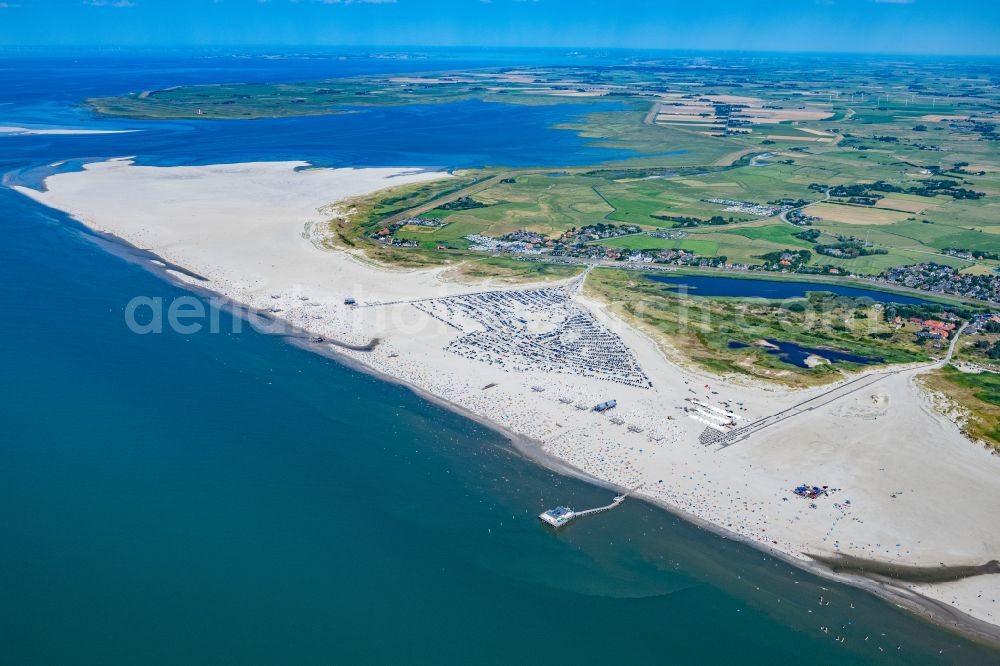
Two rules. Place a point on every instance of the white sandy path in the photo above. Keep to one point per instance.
(242, 227)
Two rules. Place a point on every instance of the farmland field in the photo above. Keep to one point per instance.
(722, 158)
(906, 205)
(846, 214)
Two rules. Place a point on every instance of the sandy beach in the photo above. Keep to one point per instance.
(906, 486)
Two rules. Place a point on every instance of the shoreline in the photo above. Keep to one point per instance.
(924, 607)
(533, 448)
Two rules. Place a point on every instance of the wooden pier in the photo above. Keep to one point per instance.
(561, 516)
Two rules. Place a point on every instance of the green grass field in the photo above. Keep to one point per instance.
(779, 234)
(705, 247)
(979, 394)
(677, 170)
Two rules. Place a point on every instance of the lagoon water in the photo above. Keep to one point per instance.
(233, 498)
(796, 354)
(770, 288)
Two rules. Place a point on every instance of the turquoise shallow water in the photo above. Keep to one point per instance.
(232, 498)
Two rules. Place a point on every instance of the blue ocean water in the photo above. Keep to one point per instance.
(43, 92)
(233, 498)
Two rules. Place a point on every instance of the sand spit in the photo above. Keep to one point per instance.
(7, 130)
(879, 569)
(905, 487)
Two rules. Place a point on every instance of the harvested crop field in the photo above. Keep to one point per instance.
(855, 214)
(906, 205)
(784, 115)
(780, 137)
(937, 118)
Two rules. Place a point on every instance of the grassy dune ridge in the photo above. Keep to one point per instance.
(978, 395)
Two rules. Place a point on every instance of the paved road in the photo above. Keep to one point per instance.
(447, 198)
(479, 187)
(783, 214)
(951, 347)
(832, 395)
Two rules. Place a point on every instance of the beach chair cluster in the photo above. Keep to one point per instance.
(540, 330)
(807, 491)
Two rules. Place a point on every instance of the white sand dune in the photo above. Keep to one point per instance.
(911, 488)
